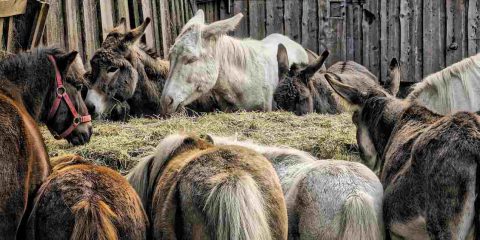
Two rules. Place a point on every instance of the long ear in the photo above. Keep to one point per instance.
(393, 83)
(221, 27)
(283, 64)
(121, 26)
(65, 60)
(139, 178)
(351, 94)
(199, 18)
(133, 35)
(313, 67)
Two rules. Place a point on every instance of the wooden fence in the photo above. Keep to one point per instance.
(83, 24)
(425, 35)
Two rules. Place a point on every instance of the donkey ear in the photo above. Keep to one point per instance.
(393, 83)
(221, 27)
(313, 67)
(121, 26)
(139, 177)
(199, 18)
(351, 94)
(65, 60)
(282, 58)
(133, 35)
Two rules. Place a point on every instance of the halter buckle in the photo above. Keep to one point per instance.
(61, 91)
(77, 120)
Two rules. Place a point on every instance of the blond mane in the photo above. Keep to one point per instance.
(452, 89)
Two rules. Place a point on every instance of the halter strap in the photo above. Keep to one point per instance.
(61, 93)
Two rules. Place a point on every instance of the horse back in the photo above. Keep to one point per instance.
(84, 201)
(24, 161)
(192, 184)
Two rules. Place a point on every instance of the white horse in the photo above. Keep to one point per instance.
(242, 74)
(455, 88)
(326, 199)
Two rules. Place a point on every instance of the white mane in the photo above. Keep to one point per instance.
(455, 88)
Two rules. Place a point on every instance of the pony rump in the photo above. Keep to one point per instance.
(236, 209)
(93, 220)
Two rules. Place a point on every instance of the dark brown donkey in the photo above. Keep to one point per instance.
(82, 201)
(127, 78)
(49, 89)
(192, 189)
(303, 88)
(27, 92)
(429, 162)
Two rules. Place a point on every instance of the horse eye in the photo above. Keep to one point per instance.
(112, 69)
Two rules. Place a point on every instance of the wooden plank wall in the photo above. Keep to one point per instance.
(425, 35)
(89, 21)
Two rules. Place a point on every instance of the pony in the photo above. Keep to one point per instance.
(241, 74)
(192, 189)
(429, 163)
(303, 88)
(43, 82)
(326, 199)
(127, 78)
(82, 201)
(455, 88)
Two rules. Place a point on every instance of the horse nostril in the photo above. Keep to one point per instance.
(169, 101)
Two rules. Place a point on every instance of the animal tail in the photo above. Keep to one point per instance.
(93, 220)
(359, 218)
(236, 209)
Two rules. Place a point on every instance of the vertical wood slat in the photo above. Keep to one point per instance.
(39, 26)
(473, 28)
(310, 25)
(123, 11)
(332, 33)
(292, 13)
(350, 24)
(55, 29)
(393, 31)
(91, 28)
(73, 27)
(106, 13)
(149, 32)
(357, 33)
(256, 11)
(2, 21)
(274, 21)
(405, 37)
(434, 44)
(241, 6)
(157, 27)
(383, 40)
(371, 36)
(455, 39)
(10, 35)
(166, 30)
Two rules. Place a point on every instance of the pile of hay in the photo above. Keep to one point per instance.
(121, 145)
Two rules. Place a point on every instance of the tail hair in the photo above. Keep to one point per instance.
(359, 218)
(93, 220)
(236, 210)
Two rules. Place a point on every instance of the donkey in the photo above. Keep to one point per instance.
(302, 90)
(429, 163)
(326, 199)
(455, 88)
(42, 82)
(241, 74)
(192, 189)
(82, 201)
(127, 78)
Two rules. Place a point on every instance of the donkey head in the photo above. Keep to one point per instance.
(375, 114)
(193, 67)
(114, 74)
(294, 92)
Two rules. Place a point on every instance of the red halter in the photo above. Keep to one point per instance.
(62, 94)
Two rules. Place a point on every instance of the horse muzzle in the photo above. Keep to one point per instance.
(81, 134)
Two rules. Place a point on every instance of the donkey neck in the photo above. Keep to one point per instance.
(242, 66)
(30, 84)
